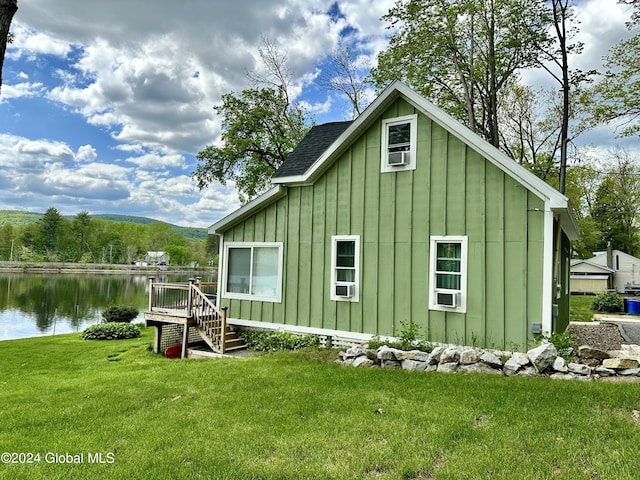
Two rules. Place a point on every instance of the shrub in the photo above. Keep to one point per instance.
(564, 342)
(110, 331)
(408, 339)
(119, 313)
(276, 341)
(609, 302)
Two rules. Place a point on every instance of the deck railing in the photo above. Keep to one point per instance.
(195, 300)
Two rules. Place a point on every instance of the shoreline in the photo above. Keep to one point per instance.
(100, 269)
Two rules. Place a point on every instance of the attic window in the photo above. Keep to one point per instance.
(399, 143)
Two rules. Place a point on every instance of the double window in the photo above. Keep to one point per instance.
(448, 273)
(345, 268)
(399, 143)
(253, 271)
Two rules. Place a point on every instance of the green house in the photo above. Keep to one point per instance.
(403, 215)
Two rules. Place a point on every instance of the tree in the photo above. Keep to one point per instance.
(81, 224)
(462, 53)
(342, 75)
(617, 204)
(8, 8)
(617, 95)
(49, 227)
(260, 127)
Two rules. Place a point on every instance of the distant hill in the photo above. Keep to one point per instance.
(17, 217)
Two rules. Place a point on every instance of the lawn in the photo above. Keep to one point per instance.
(297, 416)
(580, 309)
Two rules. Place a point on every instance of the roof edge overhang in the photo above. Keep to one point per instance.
(248, 209)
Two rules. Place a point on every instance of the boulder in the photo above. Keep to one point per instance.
(468, 356)
(515, 363)
(604, 372)
(591, 362)
(412, 355)
(450, 354)
(390, 364)
(585, 351)
(529, 371)
(563, 376)
(479, 367)
(620, 363)
(436, 353)
(490, 359)
(449, 367)
(431, 367)
(542, 356)
(629, 372)
(362, 361)
(579, 369)
(388, 353)
(412, 365)
(630, 351)
(560, 365)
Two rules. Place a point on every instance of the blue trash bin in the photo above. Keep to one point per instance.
(633, 307)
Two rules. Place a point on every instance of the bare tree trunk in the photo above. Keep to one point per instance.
(8, 8)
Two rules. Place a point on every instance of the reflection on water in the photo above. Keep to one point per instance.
(45, 304)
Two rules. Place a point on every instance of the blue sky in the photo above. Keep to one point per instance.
(105, 104)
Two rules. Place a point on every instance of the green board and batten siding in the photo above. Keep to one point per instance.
(453, 191)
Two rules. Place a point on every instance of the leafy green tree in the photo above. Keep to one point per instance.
(49, 229)
(81, 226)
(462, 53)
(617, 95)
(260, 129)
(617, 205)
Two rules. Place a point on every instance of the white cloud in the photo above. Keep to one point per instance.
(86, 153)
(24, 89)
(155, 161)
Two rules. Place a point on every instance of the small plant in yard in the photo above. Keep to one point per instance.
(564, 342)
(276, 341)
(609, 302)
(408, 339)
(119, 313)
(111, 331)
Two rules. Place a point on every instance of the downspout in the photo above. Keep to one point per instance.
(220, 257)
(548, 270)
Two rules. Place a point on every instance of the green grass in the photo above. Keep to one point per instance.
(580, 309)
(298, 416)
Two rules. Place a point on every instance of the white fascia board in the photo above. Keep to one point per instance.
(247, 209)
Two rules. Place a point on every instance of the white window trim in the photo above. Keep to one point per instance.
(413, 138)
(433, 254)
(334, 243)
(247, 296)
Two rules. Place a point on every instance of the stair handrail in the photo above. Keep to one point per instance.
(204, 311)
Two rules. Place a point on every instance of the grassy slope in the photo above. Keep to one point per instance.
(277, 417)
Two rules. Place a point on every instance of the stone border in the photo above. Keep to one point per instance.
(591, 364)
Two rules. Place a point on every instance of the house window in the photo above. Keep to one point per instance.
(448, 273)
(399, 143)
(253, 271)
(345, 268)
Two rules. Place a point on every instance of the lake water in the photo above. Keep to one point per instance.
(36, 304)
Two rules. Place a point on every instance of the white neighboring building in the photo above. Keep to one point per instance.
(590, 277)
(626, 268)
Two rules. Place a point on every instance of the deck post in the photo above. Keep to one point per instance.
(223, 328)
(151, 293)
(192, 282)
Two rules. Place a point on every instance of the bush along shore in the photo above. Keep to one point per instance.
(544, 360)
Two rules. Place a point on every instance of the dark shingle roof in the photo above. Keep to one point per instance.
(312, 146)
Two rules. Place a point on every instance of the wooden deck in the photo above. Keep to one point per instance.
(190, 306)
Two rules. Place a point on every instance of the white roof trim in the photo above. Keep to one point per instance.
(247, 209)
(491, 153)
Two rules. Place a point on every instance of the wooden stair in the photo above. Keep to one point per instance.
(231, 339)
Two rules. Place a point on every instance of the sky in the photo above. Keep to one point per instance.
(104, 105)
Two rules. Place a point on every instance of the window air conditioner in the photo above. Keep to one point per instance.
(448, 299)
(346, 290)
(398, 159)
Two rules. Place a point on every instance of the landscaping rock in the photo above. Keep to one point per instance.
(591, 362)
(515, 363)
(529, 371)
(412, 355)
(412, 365)
(436, 354)
(560, 365)
(585, 351)
(449, 367)
(630, 351)
(579, 369)
(542, 356)
(479, 367)
(387, 353)
(620, 363)
(562, 376)
(490, 359)
(629, 372)
(354, 352)
(604, 372)
(468, 356)
(451, 354)
(362, 361)
(390, 364)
